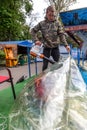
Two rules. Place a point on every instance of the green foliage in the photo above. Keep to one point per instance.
(12, 19)
(28, 7)
(25, 33)
(2, 55)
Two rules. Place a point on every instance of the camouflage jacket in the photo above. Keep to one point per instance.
(52, 33)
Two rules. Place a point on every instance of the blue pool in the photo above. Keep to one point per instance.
(84, 74)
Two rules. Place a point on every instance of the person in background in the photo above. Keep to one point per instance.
(52, 35)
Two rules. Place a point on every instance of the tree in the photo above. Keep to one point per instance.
(61, 5)
(13, 18)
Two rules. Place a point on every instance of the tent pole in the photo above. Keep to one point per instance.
(28, 54)
(36, 65)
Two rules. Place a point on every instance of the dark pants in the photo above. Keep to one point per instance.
(54, 52)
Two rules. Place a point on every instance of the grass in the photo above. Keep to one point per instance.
(7, 100)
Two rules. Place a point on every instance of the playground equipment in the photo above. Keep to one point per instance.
(10, 59)
(8, 78)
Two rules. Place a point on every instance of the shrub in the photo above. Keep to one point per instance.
(2, 55)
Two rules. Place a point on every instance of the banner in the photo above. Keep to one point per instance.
(74, 19)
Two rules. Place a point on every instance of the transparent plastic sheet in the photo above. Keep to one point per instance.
(56, 100)
(3, 122)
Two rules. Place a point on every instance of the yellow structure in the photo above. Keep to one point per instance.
(10, 59)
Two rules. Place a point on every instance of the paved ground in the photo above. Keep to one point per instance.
(19, 71)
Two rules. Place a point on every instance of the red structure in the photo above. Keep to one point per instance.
(8, 79)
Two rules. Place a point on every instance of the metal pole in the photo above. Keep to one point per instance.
(36, 65)
(78, 56)
(29, 61)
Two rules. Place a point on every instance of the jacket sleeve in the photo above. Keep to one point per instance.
(62, 35)
(34, 32)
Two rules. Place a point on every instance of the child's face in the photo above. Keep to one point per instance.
(50, 15)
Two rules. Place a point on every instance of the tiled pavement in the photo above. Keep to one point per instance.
(19, 71)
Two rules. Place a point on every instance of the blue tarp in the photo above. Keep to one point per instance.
(74, 17)
(25, 43)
